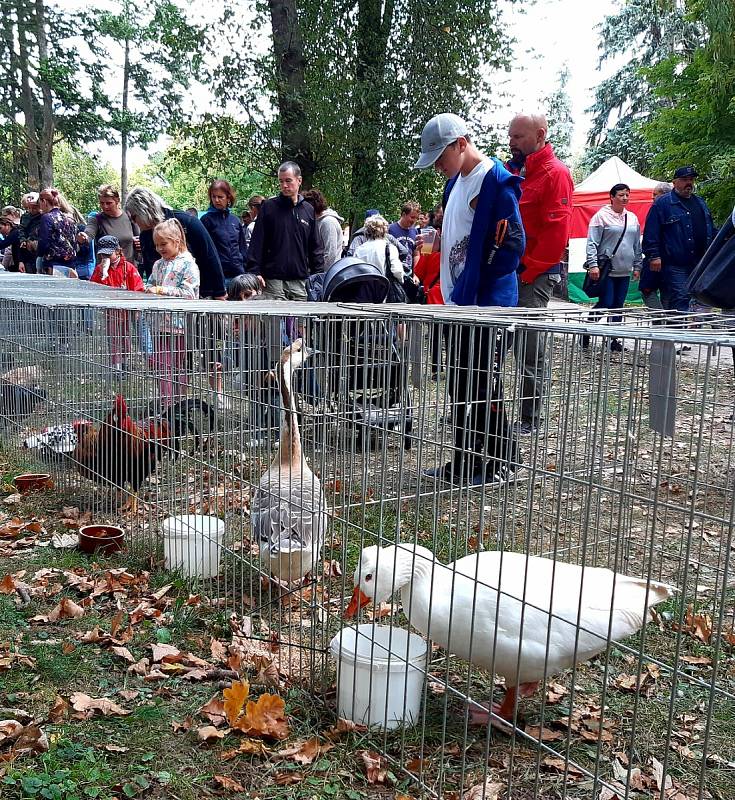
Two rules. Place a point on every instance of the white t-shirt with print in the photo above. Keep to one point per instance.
(456, 226)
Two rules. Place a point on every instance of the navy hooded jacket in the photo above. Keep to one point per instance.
(228, 236)
(199, 244)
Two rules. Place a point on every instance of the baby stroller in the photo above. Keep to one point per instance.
(364, 356)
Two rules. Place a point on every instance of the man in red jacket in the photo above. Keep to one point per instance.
(546, 207)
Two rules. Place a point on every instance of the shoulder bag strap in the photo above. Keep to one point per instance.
(622, 236)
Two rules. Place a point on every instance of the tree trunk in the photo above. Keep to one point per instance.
(46, 141)
(28, 101)
(372, 45)
(288, 50)
(124, 131)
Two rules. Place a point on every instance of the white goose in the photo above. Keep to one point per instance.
(506, 626)
(288, 511)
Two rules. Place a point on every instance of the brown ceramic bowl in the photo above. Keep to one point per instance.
(101, 538)
(33, 482)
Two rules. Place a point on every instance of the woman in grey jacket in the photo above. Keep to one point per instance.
(613, 229)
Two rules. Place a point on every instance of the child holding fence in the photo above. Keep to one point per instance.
(175, 274)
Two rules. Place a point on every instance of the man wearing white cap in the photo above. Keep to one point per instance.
(481, 245)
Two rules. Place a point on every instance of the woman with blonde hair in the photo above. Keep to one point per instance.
(175, 274)
(376, 249)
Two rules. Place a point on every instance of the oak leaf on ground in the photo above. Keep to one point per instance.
(235, 698)
(265, 717)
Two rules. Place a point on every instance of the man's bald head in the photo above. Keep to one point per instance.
(527, 134)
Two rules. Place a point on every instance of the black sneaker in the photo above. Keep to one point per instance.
(524, 427)
(498, 477)
(444, 473)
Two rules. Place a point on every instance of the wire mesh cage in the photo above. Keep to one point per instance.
(286, 459)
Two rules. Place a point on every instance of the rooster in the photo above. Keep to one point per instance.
(122, 451)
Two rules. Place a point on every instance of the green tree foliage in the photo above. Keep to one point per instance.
(216, 147)
(695, 120)
(369, 76)
(155, 52)
(558, 107)
(79, 175)
(641, 35)
(48, 91)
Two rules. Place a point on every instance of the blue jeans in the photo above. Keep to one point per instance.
(612, 295)
(674, 294)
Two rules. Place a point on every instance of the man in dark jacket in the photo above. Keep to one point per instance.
(678, 231)
(285, 247)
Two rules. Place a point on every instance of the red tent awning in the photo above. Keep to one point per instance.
(586, 204)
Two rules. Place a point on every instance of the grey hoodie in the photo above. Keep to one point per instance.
(329, 224)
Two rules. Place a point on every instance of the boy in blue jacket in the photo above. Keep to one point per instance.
(481, 245)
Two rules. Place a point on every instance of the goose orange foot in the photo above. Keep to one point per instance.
(505, 709)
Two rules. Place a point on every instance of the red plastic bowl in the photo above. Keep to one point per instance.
(33, 482)
(101, 538)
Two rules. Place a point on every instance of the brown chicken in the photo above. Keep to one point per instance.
(123, 452)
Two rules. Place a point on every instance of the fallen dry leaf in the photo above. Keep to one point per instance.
(561, 765)
(124, 653)
(696, 659)
(265, 717)
(697, 625)
(128, 694)
(140, 667)
(115, 748)
(30, 739)
(248, 746)
(376, 766)
(343, 727)
(58, 710)
(228, 783)
(165, 652)
(662, 782)
(489, 790)
(67, 609)
(214, 711)
(332, 569)
(7, 585)
(555, 692)
(218, 650)
(288, 778)
(208, 733)
(543, 734)
(86, 705)
(304, 752)
(235, 698)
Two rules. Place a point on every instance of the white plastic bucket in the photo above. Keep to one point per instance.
(191, 544)
(380, 675)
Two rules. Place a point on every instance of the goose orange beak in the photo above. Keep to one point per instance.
(359, 599)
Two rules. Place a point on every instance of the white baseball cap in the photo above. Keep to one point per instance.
(438, 133)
